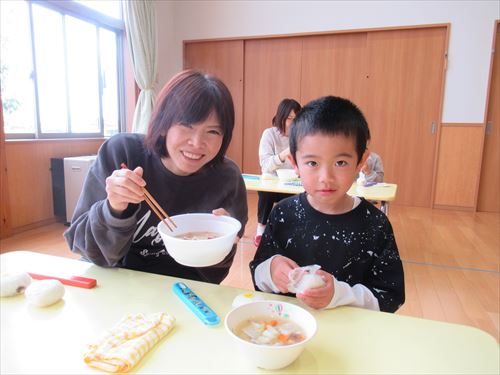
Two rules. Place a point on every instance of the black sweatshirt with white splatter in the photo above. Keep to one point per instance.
(358, 248)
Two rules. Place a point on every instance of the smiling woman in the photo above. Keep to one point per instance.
(191, 146)
(182, 162)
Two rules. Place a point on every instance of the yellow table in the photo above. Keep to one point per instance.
(52, 340)
(383, 192)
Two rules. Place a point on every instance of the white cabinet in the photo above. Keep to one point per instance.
(75, 171)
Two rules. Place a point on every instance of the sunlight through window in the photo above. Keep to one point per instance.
(60, 69)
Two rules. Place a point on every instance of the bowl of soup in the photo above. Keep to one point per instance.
(270, 334)
(199, 240)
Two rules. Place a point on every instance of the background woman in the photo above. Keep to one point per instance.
(273, 154)
(372, 171)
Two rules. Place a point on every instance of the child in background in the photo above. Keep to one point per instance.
(348, 237)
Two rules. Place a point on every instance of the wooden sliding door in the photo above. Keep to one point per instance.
(272, 73)
(336, 65)
(223, 59)
(405, 83)
(395, 76)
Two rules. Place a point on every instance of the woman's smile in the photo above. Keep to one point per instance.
(191, 155)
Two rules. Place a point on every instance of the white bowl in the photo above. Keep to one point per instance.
(267, 356)
(286, 174)
(200, 253)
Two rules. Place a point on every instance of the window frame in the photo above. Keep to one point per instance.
(99, 20)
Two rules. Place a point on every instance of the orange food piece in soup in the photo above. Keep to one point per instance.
(274, 332)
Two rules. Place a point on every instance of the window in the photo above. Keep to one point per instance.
(61, 68)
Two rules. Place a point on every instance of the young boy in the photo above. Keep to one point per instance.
(348, 237)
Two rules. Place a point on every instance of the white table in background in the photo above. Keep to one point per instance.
(382, 192)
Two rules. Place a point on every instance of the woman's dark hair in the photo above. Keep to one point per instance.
(330, 115)
(284, 108)
(189, 98)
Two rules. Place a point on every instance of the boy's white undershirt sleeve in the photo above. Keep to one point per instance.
(263, 278)
(357, 296)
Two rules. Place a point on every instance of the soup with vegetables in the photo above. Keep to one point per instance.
(266, 331)
(198, 235)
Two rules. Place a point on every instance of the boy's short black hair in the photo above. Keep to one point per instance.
(330, 115)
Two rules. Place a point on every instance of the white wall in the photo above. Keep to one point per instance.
(169, 60)
(469, 53)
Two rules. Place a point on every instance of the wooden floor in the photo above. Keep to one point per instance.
(451, 261)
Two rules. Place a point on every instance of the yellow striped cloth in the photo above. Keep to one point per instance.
(123, 346)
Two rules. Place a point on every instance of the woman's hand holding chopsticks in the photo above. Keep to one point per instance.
(123, 187)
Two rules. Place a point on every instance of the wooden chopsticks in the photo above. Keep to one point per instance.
(155, 206)
(157, 209)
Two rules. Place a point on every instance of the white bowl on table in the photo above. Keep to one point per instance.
(199, 252)
(270, 357)
(285, 174)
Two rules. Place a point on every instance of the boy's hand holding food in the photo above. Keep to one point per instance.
(280, 267)
(319, 297)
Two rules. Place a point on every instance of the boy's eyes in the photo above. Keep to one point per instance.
(339, 163)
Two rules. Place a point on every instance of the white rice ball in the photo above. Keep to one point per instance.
(44, 292)
(14, 284)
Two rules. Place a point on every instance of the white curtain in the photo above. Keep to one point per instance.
(140, 25)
